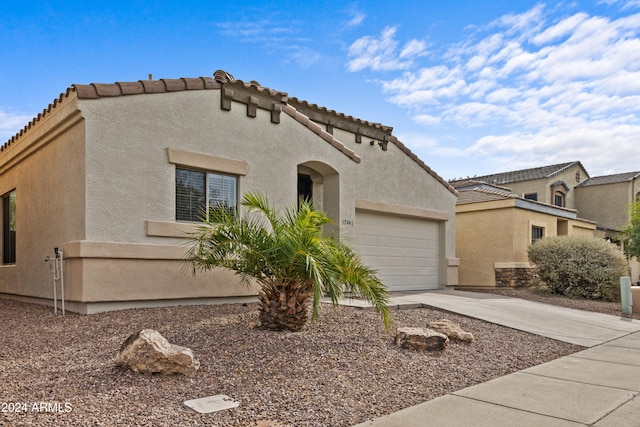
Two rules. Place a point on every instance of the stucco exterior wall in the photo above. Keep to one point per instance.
(127, 143)
(497, 235)
(538, 186)
(606, 204)
(483, 237)
(393, 178)
(46, 169)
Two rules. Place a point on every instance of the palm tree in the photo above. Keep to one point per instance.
(293, 263)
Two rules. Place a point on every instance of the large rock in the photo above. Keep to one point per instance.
(421, 339)
(451, 329)
(148, 352)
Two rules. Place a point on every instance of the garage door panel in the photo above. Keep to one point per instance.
(404, 251)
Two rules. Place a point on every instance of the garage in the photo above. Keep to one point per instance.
(405, 251)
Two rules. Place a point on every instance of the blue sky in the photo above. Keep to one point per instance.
(471, 87)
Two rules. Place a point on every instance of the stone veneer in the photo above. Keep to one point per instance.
(515, 277)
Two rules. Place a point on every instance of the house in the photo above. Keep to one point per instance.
(114, 175)
(606, 199)
(494, 228)
(562, 200)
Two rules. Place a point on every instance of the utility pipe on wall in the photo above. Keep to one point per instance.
(57, 270)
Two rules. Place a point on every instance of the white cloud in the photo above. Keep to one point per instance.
(602, 148)
(356, 18)
(381, 53)
(626, 4)
(303, 56)
(561, 29)
(413, 48)
(523, 23)
(11, 123)
(502, 95)
(427, 120)
(538, 87)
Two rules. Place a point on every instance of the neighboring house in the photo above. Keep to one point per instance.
(115, 175)
(591, 201)
(494, 228)
(606, 199)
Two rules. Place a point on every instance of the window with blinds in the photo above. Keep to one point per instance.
(537, 233)
(200, 193)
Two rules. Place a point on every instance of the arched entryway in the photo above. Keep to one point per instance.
(320, 183)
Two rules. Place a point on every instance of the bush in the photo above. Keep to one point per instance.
(579, 266)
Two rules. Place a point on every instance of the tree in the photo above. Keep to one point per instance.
(292, 262)
(632, 232)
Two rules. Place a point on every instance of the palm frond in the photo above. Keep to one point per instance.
(285, 250)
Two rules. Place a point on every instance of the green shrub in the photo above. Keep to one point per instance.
(579, 266)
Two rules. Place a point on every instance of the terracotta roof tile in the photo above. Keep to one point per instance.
(97, 90)
(153, 86)
(306, 107)
(174, 85)
(106, 89)
(253, 85)
(86, 91)
(130, 88)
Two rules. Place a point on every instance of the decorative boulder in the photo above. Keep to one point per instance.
(451, 329)
(421, 339)
(148, 352)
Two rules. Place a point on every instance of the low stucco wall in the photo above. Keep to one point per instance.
(119, 273)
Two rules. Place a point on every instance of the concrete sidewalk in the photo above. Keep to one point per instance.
(599, 386)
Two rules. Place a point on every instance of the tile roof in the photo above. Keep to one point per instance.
(315, 112)
(471, 195)
(543, 172)
(473, 183)
(477, 195)
(99, 90)
(63, 96)
(610, 179)
(291, 106)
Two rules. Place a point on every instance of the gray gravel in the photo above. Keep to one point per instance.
(339, 371)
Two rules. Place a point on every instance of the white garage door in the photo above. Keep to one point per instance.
(405, 251)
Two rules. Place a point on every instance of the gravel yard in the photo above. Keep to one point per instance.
(339, 371)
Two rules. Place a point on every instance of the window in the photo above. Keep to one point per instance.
(199, 193)
(9, 228)
(537, 233)
(558, 199)
(531, 196)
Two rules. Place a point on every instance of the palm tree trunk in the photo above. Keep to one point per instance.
(284, 305)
